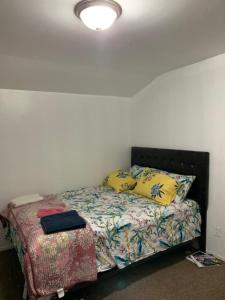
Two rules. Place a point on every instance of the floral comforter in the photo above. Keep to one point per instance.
(128, 228)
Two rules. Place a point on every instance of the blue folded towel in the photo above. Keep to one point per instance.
(68, 220)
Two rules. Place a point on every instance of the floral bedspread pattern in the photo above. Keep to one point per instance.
(53, 261)
(128, 227)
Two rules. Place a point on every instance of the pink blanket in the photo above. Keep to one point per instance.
(43, 212)
(53, 261)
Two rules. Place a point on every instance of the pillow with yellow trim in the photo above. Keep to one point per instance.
(120, 181)
(158, 187)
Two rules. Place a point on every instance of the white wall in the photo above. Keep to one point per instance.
(185, 109)
(51, 142)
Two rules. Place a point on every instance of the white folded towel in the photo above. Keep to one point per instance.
(18, 201)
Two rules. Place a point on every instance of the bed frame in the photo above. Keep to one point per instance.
(180, 162)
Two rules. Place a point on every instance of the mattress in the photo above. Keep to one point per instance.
(128, 227)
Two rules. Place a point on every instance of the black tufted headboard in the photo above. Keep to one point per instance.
(180, 162)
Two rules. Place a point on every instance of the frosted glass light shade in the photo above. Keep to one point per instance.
(98, 17)
(96, 14)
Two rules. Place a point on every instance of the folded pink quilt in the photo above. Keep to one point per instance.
(43, 212)
(53, 261)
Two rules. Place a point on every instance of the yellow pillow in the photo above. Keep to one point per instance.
(158, 187)
(120, 181)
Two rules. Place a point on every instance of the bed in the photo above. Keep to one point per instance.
(127, 228)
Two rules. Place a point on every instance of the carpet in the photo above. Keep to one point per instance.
(167, 278)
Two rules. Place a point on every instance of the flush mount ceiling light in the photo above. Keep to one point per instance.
(98, 14)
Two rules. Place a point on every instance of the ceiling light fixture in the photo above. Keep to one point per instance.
(98, 14)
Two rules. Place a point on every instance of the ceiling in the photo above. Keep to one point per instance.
(43, 46)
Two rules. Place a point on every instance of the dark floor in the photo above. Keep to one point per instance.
(166, 278)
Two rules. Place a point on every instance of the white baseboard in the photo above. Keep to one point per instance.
(216, 255)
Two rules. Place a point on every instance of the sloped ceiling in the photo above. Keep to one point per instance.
(43, 46)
